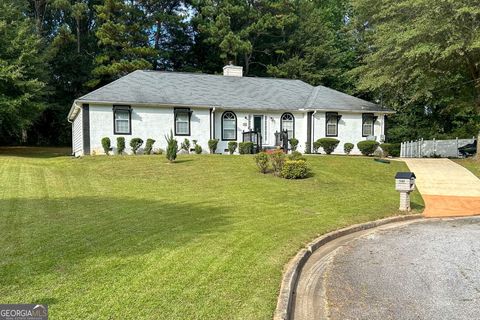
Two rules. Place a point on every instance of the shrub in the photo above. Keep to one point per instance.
(328, 144)
(295, 155)
(198, 149)
(295, 169)
(120, 145)
(186, 145)
(277, 159)
(172, 147)
(245, 147)
(391, 149)
(367, 147)
(307, 148)
(348, 147)
(316, 146)
(212, 145)
(293, 144)
(149, 146)
(135, 144)
(232, 146)
(107, 145)
(262, 159)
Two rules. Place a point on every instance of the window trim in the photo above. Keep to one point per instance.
(327, 114)
(182, 110)
(222, 119)
(364, 115)
(122, 108)
(281, 123)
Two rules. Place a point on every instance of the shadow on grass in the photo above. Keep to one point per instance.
(35, 152)
(49, 236)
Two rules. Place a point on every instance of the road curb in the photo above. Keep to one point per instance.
(295, 265)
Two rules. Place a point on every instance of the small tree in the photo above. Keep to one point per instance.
(149, 146)
(212, 145)
(135, 144)
(261, 159)
(186, 145)
(347, 148)
(120, 145)
(107, 145)
(293, 144)
(172, 147)
(198, 149)
(232, 146)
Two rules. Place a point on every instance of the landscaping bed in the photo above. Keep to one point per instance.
(203, 238)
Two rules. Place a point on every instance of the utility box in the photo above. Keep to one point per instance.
(405, 183)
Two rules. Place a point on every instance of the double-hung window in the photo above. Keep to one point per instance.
(229, 126)
(331, 124)
(122, 120)
(287, 123)
(182, 121)
(368, 122)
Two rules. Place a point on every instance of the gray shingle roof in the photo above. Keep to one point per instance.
(196, 89)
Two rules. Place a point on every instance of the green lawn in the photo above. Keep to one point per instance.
(138, 238)
(470, 164)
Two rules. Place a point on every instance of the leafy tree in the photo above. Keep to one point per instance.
(172, 147)
(322, 48)
(423, 59)
(22, 83)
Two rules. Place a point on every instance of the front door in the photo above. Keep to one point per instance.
(257, 124)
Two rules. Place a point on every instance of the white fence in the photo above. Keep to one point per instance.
(433, 148)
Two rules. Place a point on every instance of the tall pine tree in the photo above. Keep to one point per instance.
(21, 72)
(123, 41)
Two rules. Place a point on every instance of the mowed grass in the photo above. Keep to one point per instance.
(138, 238)
(471, 164)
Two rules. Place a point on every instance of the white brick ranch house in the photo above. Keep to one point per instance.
(149, 104)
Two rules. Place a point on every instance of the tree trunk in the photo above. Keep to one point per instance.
(78, 35)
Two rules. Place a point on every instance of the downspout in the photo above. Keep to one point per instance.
(313, 129)
(213, 114)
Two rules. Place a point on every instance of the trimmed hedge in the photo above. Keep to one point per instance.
(149, 146)
(135, 144)
(107, 145)
(328, 144)
(367, 147)
(391, 149)
(348, 147)
(198, 149)
(212, 145)
(245, 147)
(295, 169)
(120, 145)
(293, 144)
(232, 146)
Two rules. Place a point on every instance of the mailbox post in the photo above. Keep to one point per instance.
(405, 183)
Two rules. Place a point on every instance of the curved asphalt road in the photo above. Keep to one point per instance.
(426, 269)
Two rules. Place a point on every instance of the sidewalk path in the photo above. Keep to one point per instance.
(447, 188)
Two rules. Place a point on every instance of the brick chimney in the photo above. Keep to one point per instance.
(232, 71)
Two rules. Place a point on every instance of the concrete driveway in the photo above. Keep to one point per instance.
(447, 188)
(426, 269)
